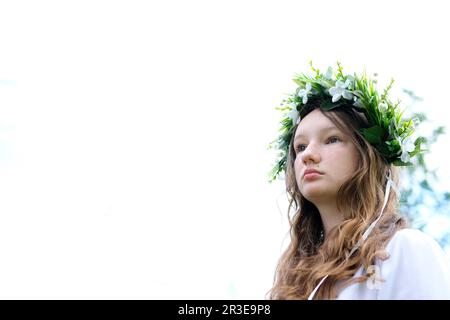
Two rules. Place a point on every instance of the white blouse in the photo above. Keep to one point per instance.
(417, 269)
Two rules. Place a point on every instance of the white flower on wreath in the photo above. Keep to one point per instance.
(329, 73)
(340, 90)
(383, 106)
(303, 93)
(407, 145)
(293, 114)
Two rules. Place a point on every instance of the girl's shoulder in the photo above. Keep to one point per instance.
(413, 243)
(416, 268)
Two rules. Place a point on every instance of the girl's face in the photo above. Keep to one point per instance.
(320, 145)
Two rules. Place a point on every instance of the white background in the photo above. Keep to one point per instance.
(133, 134)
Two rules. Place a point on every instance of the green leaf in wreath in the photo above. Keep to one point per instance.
(373, 134)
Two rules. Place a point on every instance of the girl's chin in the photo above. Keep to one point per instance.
(315, 194)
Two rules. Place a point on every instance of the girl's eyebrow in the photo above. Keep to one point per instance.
(322, 130)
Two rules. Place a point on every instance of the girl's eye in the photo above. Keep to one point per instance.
(300, 148)
(333, 138)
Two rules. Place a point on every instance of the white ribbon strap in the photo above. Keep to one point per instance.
(311, 296)
(389, 184)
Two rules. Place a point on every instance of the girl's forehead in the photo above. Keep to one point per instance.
(315, 130)
(315, 122)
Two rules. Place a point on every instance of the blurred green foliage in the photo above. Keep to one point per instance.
(420, 200)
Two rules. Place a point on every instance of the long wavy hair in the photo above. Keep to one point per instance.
(308, 258)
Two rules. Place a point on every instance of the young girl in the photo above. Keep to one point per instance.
(340, 144)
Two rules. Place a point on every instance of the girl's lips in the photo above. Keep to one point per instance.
(311, 175)
(311, 170)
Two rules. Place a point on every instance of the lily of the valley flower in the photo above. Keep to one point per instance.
(406, 146)
(383, 106)
(340, 90)
(329, 73)
(294, 114)
(303, 93)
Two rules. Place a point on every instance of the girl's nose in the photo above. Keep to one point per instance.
(311, 153)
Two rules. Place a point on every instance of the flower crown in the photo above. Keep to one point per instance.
(387, 131)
